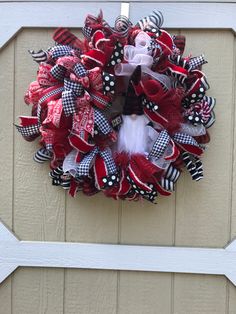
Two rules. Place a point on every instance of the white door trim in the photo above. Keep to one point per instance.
(17, 15)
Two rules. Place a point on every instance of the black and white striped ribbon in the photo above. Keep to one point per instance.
(39, 56)
(167, 184)
(172, 174)
(56, 173)
(153, 20)
(193, 165)
(122, 26)
(42, 155)
(178, 60)
(211, 103)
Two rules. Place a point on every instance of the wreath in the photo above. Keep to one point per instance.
(120, 112)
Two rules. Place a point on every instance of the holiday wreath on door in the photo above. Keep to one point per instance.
(133, 153)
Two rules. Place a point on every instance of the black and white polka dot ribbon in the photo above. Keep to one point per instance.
(148, 195)
(108, 81)
(197, 91)
(117, 54)
(150, 105)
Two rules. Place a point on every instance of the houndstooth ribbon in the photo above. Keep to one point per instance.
(60, 51)
(28, 130)
(86, 163)
(160, 145)
(196, 62)
(101, 122)
(69, 95)
(107, 157)
(188, 143)
(184, 138)
(80, 70)
(58, 72)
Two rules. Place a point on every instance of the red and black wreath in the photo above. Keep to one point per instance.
(121, 111)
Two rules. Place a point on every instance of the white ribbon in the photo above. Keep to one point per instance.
(140, 55)
(135, 55)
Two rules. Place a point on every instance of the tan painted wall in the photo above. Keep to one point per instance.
(198, 214)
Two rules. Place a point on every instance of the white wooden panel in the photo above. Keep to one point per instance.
(189, 15)
(90, 292)
(196, 296)
(91, 219)
(203, 208)
(15, 15)
(16, 253)
(6, 154)
(39, 210)
(231, 289)
(142, 293)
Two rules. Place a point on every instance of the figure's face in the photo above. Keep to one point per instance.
(133, 116)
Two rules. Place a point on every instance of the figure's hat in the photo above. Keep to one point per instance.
(133, 103)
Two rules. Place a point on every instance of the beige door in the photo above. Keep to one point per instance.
(198, 214)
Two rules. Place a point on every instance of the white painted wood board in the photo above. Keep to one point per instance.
(15, 253)
(17, 15)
